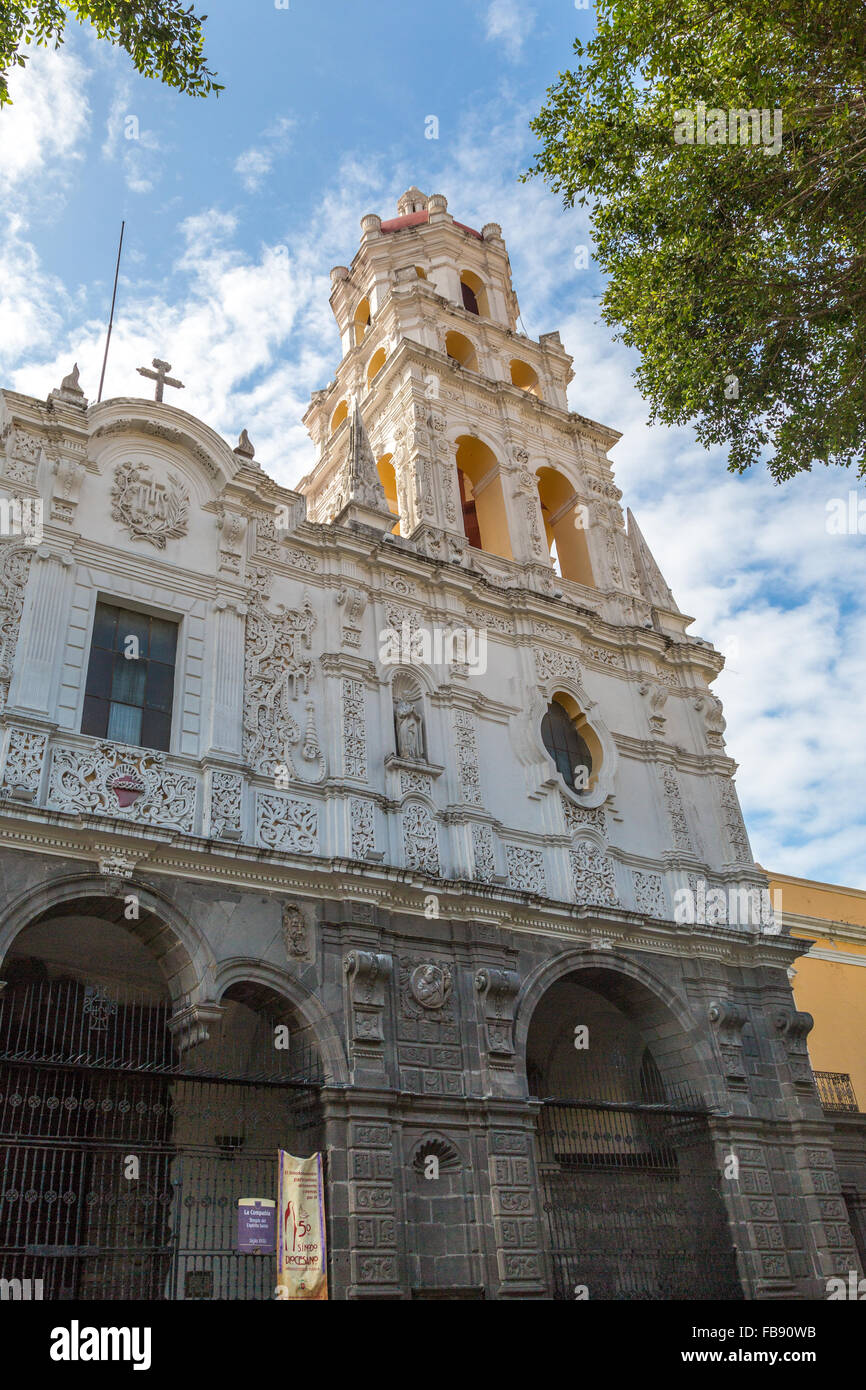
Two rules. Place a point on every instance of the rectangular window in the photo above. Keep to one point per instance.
(130, 679)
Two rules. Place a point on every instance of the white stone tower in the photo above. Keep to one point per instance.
(478, 454)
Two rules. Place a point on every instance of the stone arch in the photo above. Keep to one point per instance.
(474, 294)
(623, 1080)
(461, 350)
(485, 519)
(239, 970)
(524, 376)
(122, 416)
(339, 417)
(180, 951)
(565, 525)
(361, 320)
(686, 1059)
(388, 478)
(375, 365)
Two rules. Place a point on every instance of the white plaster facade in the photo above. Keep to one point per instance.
(283, 756)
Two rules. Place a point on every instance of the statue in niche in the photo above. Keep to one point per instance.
(410, 737)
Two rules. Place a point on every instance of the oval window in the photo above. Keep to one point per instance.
(567, 748)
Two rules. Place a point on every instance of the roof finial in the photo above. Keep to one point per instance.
(245, 446)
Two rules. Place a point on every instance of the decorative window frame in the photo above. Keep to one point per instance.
(605, 770)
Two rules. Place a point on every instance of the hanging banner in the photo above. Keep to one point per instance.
(301, 1257)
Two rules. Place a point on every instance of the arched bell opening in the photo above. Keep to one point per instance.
(485, 521)
(461, 350)
(388, 478)
(361, 321)
(565, 526)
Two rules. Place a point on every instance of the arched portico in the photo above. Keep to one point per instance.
(630, 1188)
(148, 1091)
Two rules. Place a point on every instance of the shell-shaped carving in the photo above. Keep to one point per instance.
(438, 1148)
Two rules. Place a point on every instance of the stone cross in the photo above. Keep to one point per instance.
(160, 376)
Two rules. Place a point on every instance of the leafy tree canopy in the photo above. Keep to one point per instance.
(737, 270)
(161, 37)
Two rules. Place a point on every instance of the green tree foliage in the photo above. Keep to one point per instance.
(738, 273)
(161, 37)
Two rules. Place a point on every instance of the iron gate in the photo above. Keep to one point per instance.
(632, 1200)
(121, 1163)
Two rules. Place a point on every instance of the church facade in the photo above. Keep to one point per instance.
(389, 817)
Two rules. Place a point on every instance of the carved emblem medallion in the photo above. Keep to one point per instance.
(430, 985)
(150, 510)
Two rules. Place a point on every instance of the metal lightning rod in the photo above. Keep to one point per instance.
(111, 316)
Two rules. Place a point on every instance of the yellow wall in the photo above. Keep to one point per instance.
(833, 991)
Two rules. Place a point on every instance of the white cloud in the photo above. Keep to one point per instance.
(46, 123)
(126, 141)
(32, 303)
(509, 22)
(254, 164)
(253, 167)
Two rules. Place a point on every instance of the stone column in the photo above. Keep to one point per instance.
(227, 697)
(44, 624)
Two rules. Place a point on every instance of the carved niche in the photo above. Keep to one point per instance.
(407, 719)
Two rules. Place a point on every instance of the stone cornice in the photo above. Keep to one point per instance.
(235, 865)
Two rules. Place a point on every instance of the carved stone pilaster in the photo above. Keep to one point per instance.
(367, 976)
(497, 990)
(44, 625)
(353, 602)
(729, 1020)
(793, 1027)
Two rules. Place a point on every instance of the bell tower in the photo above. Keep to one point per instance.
(480, 462)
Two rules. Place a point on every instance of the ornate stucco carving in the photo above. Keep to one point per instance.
(593, 877)
(15, 561)
(420, 840)
(526, 869)
(147, 508)
(105, 780)
(284, 823)
(275, 675)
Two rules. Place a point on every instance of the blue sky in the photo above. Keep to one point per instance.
(237, 208)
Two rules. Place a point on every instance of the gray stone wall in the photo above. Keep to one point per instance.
(422, 1026)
